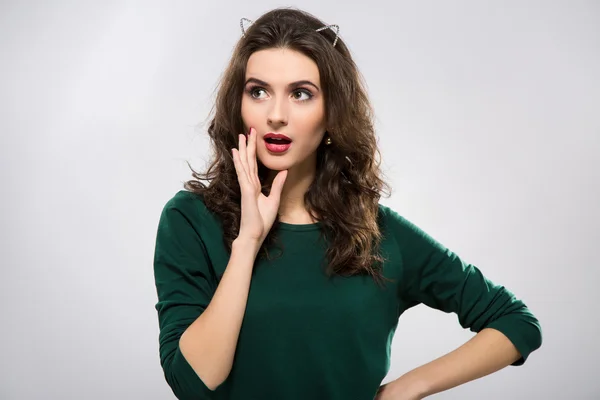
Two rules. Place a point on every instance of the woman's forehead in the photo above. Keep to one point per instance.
(281, 66)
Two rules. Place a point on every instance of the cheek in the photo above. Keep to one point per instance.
(314, 117)
(245, 112)
(250, 114)
(313, 122)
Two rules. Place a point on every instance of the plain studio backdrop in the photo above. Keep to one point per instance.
(488, 121)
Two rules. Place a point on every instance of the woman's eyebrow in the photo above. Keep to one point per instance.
(293, 84)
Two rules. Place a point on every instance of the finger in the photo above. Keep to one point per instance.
(244, 155)
(239, 168)
(252, 154)
(277, 185)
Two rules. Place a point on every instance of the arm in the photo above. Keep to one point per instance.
(199, 318)
(433, 275)
(487, 352)
(209, 343)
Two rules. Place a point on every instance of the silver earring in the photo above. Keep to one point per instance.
(328, 141)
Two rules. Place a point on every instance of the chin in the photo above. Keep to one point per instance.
(275, 163)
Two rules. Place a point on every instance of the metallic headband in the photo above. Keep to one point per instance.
(334, 28)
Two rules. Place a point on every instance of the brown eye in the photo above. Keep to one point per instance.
(253, 92)
(308, 94)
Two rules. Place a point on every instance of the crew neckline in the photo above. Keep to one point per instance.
(300, 227)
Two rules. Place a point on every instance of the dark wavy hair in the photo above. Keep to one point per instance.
(345, 193)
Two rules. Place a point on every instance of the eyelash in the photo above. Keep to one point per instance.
(252, 89)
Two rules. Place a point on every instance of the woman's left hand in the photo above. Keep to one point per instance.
(396, 390)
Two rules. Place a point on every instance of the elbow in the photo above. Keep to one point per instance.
(531, 329)
(185, 390)
(212, 384)
(539, 337)
(523, 329)
(211, 374)
(187, 380)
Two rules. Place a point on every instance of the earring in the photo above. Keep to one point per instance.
(328, 141)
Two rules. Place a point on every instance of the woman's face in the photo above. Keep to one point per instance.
(283, 95)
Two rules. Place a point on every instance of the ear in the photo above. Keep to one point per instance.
(334, 28)
(244, 28)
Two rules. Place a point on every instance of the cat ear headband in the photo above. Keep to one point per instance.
(334, 28)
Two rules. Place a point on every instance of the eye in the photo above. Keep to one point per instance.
(253, 90)
(308, 94)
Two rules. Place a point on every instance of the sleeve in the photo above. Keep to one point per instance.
(184, 288)
(438, 278)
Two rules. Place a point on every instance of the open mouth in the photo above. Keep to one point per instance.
(276, 145)
(277, 141)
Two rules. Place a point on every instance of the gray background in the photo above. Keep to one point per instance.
(488, 120)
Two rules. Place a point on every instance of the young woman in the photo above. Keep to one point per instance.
(284, 277)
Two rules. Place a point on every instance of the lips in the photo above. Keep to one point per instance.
(277, 143)
(277, 138)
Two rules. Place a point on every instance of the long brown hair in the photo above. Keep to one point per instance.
(345, 193)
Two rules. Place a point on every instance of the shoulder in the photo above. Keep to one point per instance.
(393, 220)
(185, 199)
(188, 206)
(186, 202)
(408, 234)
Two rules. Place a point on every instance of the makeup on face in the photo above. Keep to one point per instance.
(282, 99)
(303, 87)
(277, 143)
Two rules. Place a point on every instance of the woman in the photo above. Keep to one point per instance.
(284, 277)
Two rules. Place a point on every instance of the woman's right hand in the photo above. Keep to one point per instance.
(258, 211)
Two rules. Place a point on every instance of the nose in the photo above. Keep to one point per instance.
(278, 113)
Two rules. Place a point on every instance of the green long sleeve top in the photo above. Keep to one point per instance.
(304, 336)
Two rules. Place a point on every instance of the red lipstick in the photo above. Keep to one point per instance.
(277, 143)
(272, 135)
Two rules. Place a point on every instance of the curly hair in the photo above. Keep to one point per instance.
(345, 193)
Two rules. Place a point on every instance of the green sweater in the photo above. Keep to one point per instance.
(305, 336)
